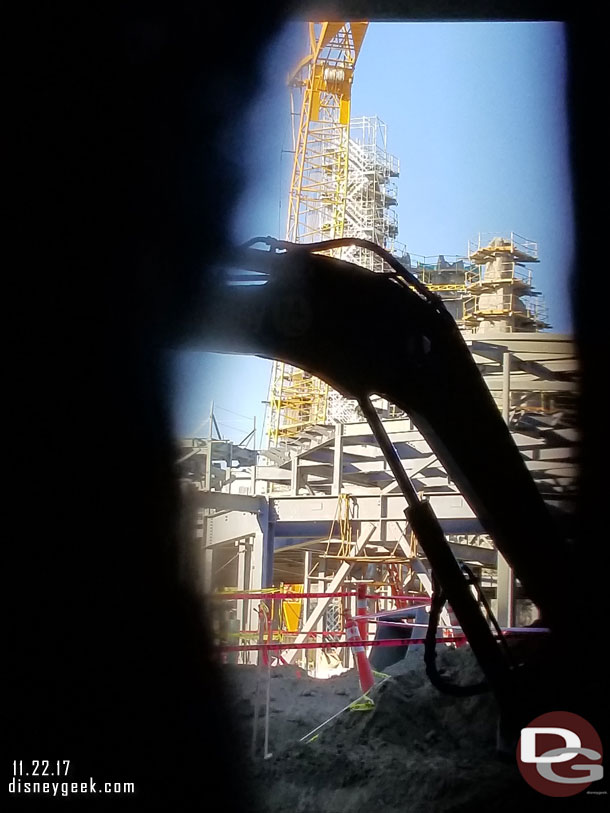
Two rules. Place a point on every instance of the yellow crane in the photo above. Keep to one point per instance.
(321, 86)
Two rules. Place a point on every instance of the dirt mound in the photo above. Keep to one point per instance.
(298, 703)
(415, 750)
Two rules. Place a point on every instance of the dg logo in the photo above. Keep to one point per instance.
(560, 754)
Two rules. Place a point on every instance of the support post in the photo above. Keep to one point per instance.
(208, 464)
(242, 574)
(253, 478)
(207, 553)
(208, 451)
(306, 585)
(265, 538)
(506, 386)
(306, 605)
(321, 587)
(261, 558)
(294, 477)
(505, 577)
(338, 461)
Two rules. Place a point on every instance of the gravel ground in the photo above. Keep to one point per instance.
(416, 750)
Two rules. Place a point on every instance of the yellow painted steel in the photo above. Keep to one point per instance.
(291, 608)
(446, 287)
(343, 518)
(321, 103)
(322, 83)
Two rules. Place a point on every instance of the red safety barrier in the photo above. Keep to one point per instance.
(332, 645)
(311, 634)
(407, 624)
(279, 596)
(391, 598)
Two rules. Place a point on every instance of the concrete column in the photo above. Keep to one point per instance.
(338, 461)
(505, 576)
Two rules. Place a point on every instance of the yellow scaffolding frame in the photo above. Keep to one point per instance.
(298, 400)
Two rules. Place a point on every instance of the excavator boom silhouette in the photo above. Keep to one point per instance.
(384, 333)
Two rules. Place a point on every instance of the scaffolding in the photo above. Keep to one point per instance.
(501, 294)
(369, 214)
(371, 192)
(487, 245)
(298, 400)
(446, 275)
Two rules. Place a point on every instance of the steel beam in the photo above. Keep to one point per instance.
(519, 384)
(230, 526)
(505, 576)
(219, 501)
(337, 476)
(323, 509)
(294, 476)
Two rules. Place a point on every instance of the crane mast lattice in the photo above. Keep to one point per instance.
(321, 106)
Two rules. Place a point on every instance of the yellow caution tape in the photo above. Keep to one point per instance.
(278, 635)
(366, 705)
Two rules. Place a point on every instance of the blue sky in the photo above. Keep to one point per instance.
(476, 115)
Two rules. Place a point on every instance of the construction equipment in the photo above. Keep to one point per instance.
(281, 302)
(321, 89)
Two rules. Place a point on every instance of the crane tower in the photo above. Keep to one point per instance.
(321, 105)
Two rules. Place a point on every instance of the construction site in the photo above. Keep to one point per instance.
(324, 594)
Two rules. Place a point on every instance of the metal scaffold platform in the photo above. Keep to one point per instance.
(502, 296)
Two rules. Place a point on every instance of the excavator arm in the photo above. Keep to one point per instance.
(369, 333)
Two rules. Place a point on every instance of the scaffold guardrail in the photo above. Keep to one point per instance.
(514, 244)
